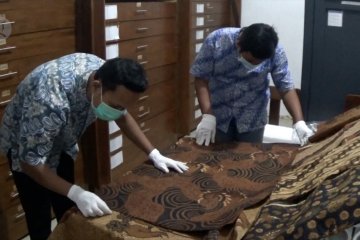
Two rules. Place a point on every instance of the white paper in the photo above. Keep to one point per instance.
(335, 18)
(138, 4)
(112, 51)
(198, 47)
(279, 134)
(113, 127)
(112, 33)
(116, 160)
(197, 113)
(111, 11)
(200, 8)
(199, 34)
(200, 21)
(116, 143)
(196, 101)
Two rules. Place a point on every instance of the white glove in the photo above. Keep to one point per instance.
(161, 162)
(303, 132)
(89, 204)
(206, 130)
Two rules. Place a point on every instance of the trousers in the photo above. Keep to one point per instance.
(232, 135)
(37, 201)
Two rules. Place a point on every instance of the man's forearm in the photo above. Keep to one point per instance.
(203, 95)
(292, 104)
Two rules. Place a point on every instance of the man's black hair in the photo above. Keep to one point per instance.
(122, 71)
(259, 39)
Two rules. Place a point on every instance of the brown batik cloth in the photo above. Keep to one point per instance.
(319, 195)
(115, 226)
(221, 182)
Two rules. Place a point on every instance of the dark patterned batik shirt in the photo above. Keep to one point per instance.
(49, 111)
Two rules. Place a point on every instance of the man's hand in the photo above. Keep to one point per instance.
(206, 130)
(163, 163)
(303, 132)
(89, 204)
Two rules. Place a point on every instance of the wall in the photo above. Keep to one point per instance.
(287, 16)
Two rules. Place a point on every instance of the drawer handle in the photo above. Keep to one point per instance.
(210, 20)
(6, 75)
(142, 29)
(146, 130)
(141, 11)
(143, 97)
(6, 49)
(351, 3)
(5, 102)
(209, 7)
(19, 216)
(6, 23)
(143, 63)
(143, 114)
(14, 194)
(141, 47)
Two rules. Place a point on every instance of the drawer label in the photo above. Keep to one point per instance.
(4, 67)
(5, 27)
(6, 93)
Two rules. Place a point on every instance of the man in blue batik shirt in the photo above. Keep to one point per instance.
(51, 109)
(232, 85)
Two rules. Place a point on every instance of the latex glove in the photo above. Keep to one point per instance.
(163, 163)
(303, 132)
(89, 204)
(206, 130)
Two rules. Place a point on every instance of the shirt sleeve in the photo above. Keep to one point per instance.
(203, 65)
(280, 72)
(43, 118)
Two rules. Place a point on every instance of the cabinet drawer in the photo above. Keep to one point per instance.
(45, 4)
(14, 71)
(13, 223)
(139, 10)
(158, 98)
(138, 29)
(8, 192)
(208, 7)
(161, 132)
(44, 18)
(150, 52)
(8, 74)
(160, 74)
(6, 94)
(34, 44)
(209, 20)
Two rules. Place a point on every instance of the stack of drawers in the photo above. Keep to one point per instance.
(35, 33)
(199, 18)
(145, 32)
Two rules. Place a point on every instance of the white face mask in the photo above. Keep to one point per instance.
(247, 64)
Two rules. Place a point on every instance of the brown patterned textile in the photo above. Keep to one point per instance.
(114, 226)
(328, 128)
(319, 195)
(221, 182)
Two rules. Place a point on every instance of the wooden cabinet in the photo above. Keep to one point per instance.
(198, 19)
(145, 32)
(30, 34)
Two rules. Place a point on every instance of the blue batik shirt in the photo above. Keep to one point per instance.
(236, 92)
(49, 111)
